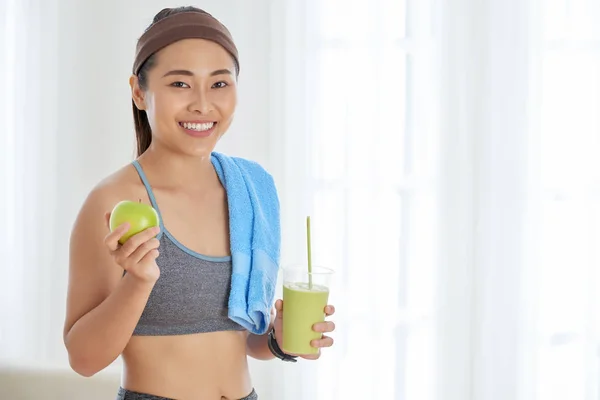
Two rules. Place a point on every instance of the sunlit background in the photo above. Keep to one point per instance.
(448, 152)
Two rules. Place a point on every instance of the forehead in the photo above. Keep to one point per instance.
(194, 54)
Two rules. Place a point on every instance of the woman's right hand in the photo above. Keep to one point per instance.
(138, 254)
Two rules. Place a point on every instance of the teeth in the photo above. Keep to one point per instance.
(198, 127)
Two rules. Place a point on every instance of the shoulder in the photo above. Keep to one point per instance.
(122, 184)
(90, 227)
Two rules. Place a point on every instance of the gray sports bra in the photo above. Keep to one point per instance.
(192, 292)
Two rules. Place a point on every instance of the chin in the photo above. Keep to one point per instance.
(199, 151)
(194, 146)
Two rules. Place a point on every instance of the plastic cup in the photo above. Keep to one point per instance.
(305, 296)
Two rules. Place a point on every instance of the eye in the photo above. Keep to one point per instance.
(180, 85)
(220, 85)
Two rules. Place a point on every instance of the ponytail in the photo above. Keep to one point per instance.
(143, 132)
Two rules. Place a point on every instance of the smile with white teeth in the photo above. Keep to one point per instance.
(198, 127)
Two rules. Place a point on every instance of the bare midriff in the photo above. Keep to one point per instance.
(188, 367)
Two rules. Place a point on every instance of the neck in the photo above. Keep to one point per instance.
(178, 171)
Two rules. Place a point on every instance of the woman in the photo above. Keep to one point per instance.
(160, 299)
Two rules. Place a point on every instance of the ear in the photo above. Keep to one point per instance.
(137, 94)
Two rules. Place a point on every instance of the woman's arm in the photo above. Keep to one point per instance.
(257, 347)
(103, 307)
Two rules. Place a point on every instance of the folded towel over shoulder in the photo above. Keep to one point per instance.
(255, 235)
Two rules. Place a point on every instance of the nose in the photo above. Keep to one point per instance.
(200, 102)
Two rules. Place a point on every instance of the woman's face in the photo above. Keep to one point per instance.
(190, 97)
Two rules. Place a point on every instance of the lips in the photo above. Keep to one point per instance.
(198, 128)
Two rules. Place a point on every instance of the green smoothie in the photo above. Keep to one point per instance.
(302, 308)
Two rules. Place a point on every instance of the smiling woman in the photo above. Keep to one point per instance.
(165, 299)
(176, 88)
(175, 70)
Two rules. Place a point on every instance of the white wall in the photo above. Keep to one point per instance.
(86, 100)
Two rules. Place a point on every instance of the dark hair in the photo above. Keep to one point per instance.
(143, 132)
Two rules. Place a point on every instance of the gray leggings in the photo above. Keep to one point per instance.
(125, 394)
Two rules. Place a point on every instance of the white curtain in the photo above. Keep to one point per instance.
(447, 152)
(28, 196)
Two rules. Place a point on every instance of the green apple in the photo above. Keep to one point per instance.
(140, 216)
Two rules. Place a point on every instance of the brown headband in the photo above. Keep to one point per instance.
(185, 25)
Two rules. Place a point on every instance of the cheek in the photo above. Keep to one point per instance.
(164, 108)
(227, 103)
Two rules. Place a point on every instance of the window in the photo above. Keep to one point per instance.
(371, 162)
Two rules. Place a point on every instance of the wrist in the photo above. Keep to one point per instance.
(276, 350)
(139, 284)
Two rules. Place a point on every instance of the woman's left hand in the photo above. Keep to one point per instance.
(322, 327)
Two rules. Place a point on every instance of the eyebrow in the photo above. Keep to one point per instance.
(184, 72)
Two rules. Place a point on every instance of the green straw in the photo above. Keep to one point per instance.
(309, 253)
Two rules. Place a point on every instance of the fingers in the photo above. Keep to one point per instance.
(311, 356)
(279, 308)
(327, 326)
(146, 247)
(147, 274)
(150, 256)
(112, 239)
(325, 341)
(137, 240)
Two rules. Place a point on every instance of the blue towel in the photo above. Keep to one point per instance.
(255, 235)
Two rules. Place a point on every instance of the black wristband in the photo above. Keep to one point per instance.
(276, 350)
